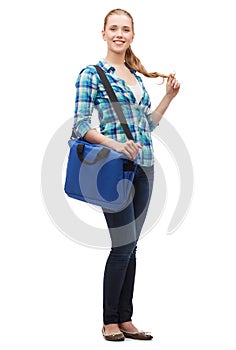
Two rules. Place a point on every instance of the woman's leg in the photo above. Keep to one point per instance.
(143, 183)
(125, 228)
(117, 262)
(126, 295)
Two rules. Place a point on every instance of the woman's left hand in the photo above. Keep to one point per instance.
(172, 86)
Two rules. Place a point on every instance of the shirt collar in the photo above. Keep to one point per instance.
(107, 67)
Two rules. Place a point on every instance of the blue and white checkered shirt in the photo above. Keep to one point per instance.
(91, 94)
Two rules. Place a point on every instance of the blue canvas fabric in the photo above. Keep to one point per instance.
(98, 175)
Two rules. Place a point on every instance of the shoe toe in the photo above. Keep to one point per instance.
(140, 335)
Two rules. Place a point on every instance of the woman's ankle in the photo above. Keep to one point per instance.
(128, 327)
(111, 328)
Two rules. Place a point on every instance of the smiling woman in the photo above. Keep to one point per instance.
(121, 24)
(118, 32)
(120, 66)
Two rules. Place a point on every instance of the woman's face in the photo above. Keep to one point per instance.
(118, 33)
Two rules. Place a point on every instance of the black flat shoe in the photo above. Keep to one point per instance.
(140, 335)
(113, 336)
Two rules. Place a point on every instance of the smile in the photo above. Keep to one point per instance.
(119, 42)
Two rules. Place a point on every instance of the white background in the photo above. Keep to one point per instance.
(51, 287)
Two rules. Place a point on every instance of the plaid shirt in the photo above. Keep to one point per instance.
(91, 94)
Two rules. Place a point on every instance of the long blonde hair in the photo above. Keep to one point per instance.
(130, 58)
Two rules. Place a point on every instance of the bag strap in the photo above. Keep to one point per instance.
(115, 104)
(114, 101)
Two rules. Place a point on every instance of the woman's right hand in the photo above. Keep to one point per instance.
(129, 148)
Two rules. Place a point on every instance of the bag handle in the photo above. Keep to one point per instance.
(115, 104)
(103, 153)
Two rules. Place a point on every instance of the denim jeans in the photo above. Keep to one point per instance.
(125, 228)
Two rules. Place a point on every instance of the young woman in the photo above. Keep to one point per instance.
(120, 66)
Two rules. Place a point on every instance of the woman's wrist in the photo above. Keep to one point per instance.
(108, 142)
(168, 96)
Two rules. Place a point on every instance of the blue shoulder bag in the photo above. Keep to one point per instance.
(97, 174)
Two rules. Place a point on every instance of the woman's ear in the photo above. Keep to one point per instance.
(104, 35)
(132, 38)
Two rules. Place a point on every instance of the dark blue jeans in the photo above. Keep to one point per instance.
(125, 228)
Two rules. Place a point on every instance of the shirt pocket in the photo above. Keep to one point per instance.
(121, 94)
(101, 94)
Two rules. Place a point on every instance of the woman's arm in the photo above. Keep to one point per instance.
(172, 89)
(129, 148)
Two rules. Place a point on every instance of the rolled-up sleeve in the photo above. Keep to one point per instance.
(86, 90)
(152, 125)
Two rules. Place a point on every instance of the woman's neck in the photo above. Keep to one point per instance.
(115, 59)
